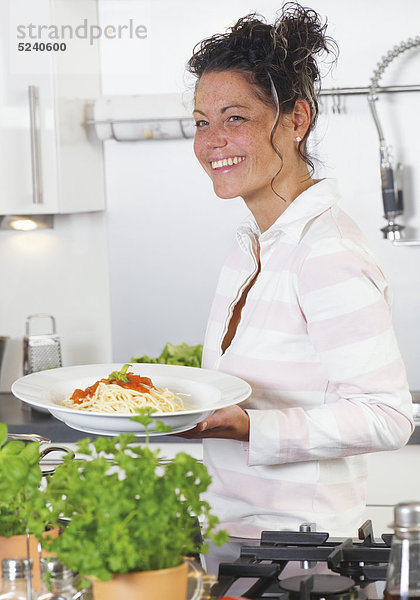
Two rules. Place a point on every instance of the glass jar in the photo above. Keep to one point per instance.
(17, 580)
(60, 584)
(403, 574)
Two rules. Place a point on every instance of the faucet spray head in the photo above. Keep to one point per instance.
(393, 231)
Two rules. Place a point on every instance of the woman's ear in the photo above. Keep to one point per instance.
(301, 118)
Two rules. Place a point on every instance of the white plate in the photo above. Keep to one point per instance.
(206, 390)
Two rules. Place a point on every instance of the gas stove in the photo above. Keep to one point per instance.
(323, 568)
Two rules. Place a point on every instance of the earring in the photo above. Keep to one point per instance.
(298, 138)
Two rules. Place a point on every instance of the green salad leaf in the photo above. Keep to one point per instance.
(183, 354)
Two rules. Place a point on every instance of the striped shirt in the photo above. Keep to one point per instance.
(315, 342)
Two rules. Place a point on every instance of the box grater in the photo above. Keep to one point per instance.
(41, 351)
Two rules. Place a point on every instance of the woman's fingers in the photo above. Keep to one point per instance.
(228, 423)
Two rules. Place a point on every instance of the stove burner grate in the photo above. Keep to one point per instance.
(320, 587)
(352, 564)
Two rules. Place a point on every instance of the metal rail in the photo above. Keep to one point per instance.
(357, 91)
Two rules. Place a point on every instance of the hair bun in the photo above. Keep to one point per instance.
(300, 35)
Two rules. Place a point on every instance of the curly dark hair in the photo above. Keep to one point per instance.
(279, 59)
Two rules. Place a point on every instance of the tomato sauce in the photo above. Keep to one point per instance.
(135, 382)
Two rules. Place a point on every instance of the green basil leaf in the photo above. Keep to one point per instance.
(143, 416)
(12, 447)
(31, 453)
(17, 470)
(160, 427)
(120, 375)
(3, 434)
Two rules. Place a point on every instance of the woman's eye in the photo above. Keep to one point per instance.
(201, 123)
(235, 118)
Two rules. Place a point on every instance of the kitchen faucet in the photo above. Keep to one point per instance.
(391, 180)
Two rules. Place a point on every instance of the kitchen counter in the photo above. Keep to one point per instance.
(21, 418)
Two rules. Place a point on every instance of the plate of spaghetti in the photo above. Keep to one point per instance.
(101, 399)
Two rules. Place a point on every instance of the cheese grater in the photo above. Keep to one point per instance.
(41, 351)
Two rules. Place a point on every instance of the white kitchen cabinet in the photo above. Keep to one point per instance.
(393, 477)
(48, 164)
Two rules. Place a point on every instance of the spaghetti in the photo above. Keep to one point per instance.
(124, 393)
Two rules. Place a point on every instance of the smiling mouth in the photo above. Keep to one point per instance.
(226, 162)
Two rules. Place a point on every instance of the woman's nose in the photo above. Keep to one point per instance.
(216, 138)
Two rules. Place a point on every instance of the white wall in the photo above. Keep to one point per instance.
(168, 232)
(63, 272)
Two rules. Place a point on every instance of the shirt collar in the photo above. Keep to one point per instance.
(308, 205)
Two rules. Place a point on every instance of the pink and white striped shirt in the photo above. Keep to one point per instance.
(315, 342)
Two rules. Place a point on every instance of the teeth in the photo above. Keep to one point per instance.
(225, 162)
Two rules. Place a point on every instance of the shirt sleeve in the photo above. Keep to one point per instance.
(344, 300)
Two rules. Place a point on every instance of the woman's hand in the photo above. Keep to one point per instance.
(230, 423)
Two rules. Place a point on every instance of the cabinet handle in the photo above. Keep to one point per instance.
(33, 91)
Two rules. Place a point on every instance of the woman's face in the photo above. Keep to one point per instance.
(232, 140)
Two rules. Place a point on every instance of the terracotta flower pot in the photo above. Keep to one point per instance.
(15, 547)
(161, 584)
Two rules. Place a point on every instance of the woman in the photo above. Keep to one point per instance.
(301, 310)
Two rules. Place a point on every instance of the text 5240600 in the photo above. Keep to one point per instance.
(42, 47)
